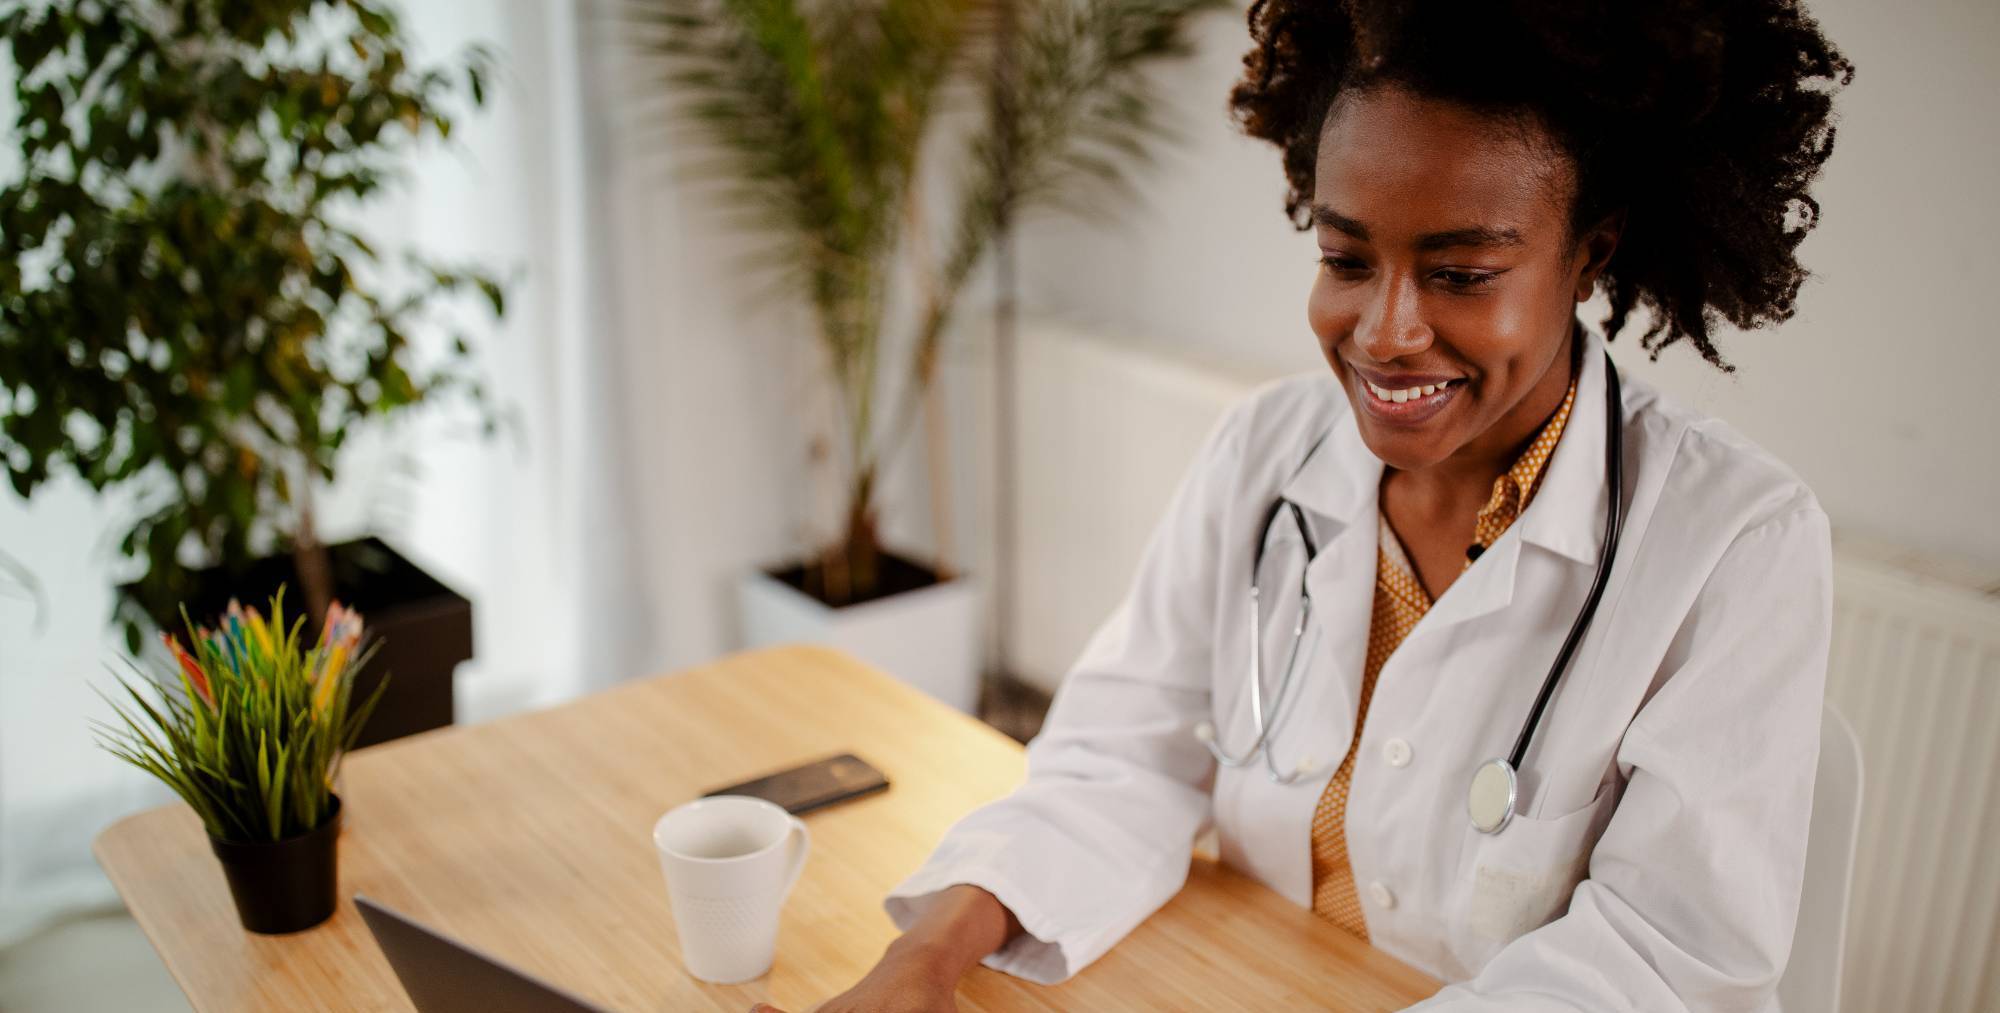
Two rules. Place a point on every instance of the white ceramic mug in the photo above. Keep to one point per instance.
(730, 861)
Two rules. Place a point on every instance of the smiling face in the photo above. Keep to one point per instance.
(1449, 277)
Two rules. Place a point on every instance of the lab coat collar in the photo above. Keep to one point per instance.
(1341, 478)
(1567, 514)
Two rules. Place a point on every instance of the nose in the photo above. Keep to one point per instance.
(1392, 324)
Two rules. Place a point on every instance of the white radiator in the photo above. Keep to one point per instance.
(1916, 668)
(1106, 428)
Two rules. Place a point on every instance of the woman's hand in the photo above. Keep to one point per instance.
(899, 983)
(919, 973)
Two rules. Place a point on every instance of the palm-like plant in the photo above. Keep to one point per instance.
(813, 113)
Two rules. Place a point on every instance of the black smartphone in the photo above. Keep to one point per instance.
(813, 785)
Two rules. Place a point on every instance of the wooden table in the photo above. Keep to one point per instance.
(530, 838)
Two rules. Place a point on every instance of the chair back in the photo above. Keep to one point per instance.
(1811, 983)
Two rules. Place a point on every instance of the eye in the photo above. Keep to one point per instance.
(1340, 264)
(1466, 280)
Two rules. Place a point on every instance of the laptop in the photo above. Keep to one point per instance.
(443, 976)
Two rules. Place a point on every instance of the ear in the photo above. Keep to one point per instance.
(1594, 250)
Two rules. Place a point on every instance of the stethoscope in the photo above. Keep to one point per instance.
(1495, 784)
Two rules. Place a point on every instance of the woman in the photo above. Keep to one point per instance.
(1472, 173)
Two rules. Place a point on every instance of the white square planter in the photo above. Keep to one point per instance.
(928, 638)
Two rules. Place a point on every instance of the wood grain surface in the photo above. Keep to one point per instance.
(529, 838)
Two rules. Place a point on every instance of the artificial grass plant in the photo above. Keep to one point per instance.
(251, 728)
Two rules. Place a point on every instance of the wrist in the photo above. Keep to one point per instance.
(942, 960)
(962, 926)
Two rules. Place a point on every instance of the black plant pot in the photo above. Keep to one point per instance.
(425, 628)
(895, 574)
(284, 886)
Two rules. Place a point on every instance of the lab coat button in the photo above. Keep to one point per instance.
(1380, 894)
(1396, 753)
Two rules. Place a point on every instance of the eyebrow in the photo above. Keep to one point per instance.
(1471, 235)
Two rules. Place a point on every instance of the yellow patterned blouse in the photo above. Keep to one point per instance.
(1400, 601)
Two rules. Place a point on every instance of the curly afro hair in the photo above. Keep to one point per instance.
(1704, 122)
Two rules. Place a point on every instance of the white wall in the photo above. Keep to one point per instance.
(1878, 392)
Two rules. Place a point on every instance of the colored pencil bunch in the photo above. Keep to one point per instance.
(255, 734)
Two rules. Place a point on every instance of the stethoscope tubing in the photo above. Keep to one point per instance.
(1614, 515)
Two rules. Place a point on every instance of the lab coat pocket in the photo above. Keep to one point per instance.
(1521, 878)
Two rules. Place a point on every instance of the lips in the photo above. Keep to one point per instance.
(1406, 398)
(1412, 392)
(1403, 381)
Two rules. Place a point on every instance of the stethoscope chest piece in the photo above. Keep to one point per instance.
(1490, 803)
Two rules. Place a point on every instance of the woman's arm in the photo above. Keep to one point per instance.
(1099, 835)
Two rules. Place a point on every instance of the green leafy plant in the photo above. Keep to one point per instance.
(183, 304)
(813, 114)
(251, 726)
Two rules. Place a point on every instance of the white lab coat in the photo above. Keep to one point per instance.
(1655, 859)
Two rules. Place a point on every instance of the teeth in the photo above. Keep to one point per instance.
(1406, 394)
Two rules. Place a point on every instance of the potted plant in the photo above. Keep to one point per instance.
(815, 115)
(186, 314)
(250, 729)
